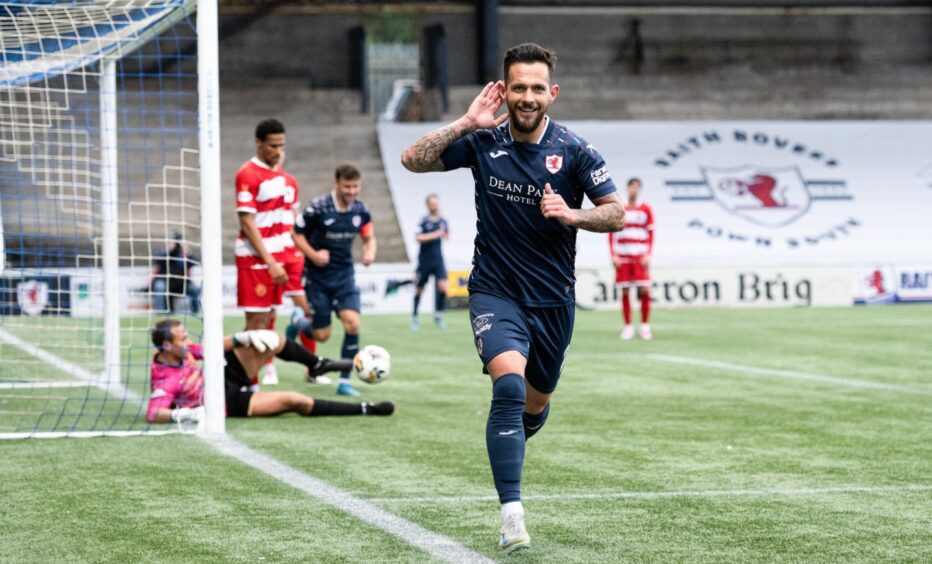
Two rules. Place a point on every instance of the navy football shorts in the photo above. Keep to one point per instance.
(324, 299)
(425, 271)
(541, 334)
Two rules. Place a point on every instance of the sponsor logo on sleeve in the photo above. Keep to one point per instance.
(599, 176)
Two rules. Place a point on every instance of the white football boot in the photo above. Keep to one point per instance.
(645, 332)
(514, 533)
(627, 333)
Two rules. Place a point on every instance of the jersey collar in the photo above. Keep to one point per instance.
(256, 161)
(543, 133)
(336, 203)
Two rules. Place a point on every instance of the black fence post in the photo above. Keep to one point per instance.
(357, 70)
(436, 53)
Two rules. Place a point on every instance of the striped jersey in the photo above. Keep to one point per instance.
(637, 239)
(270, 194)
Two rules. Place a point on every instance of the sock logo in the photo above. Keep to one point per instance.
(508, 433)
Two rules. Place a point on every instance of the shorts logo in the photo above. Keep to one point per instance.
(553, 163)
(482, 323)
(479, 345)
(261, 290)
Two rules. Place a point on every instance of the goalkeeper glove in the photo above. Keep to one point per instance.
(259, 339)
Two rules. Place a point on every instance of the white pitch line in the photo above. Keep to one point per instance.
(42, 385)
(791, 374)
(68, 367)
(853, 489)
(438, 546)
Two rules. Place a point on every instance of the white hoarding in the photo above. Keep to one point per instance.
(725, 287)
(731, 194)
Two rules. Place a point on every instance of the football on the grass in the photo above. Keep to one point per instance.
(372, 364)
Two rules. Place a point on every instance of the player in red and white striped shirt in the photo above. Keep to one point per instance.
(631, 251)
(267, 262)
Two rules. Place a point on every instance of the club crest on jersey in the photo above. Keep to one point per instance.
(356, 221)
(553, 163)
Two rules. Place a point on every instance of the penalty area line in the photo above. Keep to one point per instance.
(611, 495)
(437, 545)
(787, 374)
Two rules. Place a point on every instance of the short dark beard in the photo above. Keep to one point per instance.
(515, 123)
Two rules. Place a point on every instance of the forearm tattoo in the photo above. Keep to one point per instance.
(424, 154)
(606, 217)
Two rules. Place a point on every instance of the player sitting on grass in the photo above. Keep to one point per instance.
(178, 386)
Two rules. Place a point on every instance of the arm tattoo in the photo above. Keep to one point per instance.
(424, 154)
(607, 216)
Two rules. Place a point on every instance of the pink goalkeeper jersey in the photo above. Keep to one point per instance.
(176, 386)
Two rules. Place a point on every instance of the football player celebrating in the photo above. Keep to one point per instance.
(325, 233)
(531, 175)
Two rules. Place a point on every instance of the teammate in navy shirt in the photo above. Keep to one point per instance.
(325, 234)
(531, 175)
(431, 230)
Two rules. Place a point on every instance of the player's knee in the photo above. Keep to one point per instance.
(351, 326)
(321, 335)
(300, 403)
(509, 387)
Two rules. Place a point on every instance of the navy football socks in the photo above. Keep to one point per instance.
(417, 303)
(533, 423)
(504, 436)
(349, 350)
(440, 301)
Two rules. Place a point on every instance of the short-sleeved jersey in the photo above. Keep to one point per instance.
(326, 227)
(176, 386)
(431, 251)
(519, 254)
(637, 239)
(271, 195)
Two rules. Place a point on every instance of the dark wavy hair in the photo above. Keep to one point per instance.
(529, 53)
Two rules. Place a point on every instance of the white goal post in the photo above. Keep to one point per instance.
(109, 163)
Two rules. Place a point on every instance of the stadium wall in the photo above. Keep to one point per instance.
(846, 40)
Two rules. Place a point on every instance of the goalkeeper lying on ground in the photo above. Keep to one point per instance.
(178, 386)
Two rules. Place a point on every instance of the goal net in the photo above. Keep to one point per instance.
(100, 207)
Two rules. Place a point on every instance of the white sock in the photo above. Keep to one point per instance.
(511, 507)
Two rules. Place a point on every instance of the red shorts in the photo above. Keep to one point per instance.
(632, 273)
(294, 266)
(255, 290)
